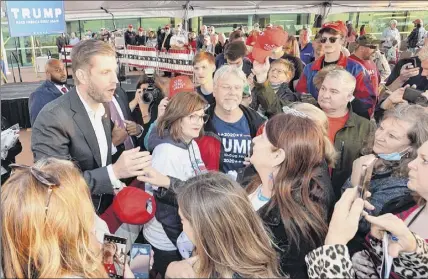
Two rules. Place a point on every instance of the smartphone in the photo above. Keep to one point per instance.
(114, 255)
(366, 175)
(411, 94)
(140, 260)
(412, 63)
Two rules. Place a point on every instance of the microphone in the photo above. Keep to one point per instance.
(104, 9)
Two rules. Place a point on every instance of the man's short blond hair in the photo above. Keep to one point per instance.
(83, 52)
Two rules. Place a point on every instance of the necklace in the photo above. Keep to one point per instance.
(260, 196)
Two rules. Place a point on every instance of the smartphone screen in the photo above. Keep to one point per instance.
(365, 178)
(361, 185)
(114, 255)
(140, 260)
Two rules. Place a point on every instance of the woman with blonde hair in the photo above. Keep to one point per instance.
(48, 223)
(229, 237)
(292, 47)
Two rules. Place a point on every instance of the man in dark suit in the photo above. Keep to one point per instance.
(52, 88)
(62, 41)
(76, 126)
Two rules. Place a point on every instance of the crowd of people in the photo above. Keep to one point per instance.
(282, 158)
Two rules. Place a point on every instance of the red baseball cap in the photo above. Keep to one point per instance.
(140, 29)
(167, 26)
(418, 21)
(339, 26)
(130, 26)
(268, 40)
(180, 84)
(130, 206)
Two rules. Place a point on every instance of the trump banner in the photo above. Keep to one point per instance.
(27, 18)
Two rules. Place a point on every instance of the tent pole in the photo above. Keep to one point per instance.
(33, 52)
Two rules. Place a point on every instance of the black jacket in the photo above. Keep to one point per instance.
(413, 38)
(130, 38)
(292, 255)
(167, 44)
(141, 40)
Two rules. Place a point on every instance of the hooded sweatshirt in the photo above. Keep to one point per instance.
(178, 160)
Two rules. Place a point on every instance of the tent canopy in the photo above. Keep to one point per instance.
(76, 10)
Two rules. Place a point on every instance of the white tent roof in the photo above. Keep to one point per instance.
(76, 10)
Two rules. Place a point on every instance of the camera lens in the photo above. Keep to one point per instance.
(147, 97)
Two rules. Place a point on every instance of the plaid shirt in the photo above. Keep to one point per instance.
(363, 90)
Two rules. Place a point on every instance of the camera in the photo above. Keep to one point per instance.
(147, 96)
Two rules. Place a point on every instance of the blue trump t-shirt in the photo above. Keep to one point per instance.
(236, 140)
(307, 53)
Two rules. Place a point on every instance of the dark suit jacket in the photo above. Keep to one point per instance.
(167, 44)
(63, 130)
(45, 93)
(122, 99)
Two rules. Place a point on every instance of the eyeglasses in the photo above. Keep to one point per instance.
(332, 40)
(194, 118)
(44, 178)
(278, 71)
(229, 87)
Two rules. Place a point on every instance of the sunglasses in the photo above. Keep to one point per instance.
(45, 179)
(332, 40)
(372, 47)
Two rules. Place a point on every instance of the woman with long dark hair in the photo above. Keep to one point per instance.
(289, 193)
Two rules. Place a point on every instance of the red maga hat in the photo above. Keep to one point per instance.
(267, 41)
(180, 84)
(339, 26)
(130, 206)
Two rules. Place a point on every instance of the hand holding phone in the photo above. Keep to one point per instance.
(114, 255)
(365, 177)
(362, 170)
(411, 94)
(409, 70)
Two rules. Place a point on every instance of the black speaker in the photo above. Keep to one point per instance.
(318, 21)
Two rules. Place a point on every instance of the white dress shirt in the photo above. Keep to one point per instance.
(60, 87)
(96, 120)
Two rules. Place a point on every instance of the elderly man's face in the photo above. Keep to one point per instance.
(304, 37)
(333, 95)
(393, 25)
